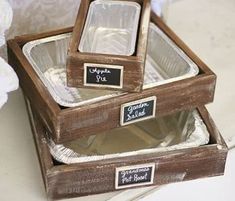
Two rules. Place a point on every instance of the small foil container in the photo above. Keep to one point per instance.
(182, 130)
(111, 28)
(165, 63)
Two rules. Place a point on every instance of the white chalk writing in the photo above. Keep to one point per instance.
(134, 175)
(99, 71)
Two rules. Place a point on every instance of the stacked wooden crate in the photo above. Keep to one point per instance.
(61, 124)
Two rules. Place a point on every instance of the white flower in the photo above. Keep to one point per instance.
(6, 15)
(160, 7)
(8, 81)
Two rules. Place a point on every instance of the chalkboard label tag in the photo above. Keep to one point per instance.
(136, 175)
(103, 75)
(138, 110)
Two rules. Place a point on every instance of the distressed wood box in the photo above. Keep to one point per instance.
(128, 71)
(66, 181)
(70, 123)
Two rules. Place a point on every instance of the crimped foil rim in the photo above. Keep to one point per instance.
(198, 137)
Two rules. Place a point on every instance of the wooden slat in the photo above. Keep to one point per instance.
(21, 40)
(44, 156)
(105, 115)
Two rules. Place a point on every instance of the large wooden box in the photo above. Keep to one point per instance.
(130, 68)
(66, 181)
(70, 123)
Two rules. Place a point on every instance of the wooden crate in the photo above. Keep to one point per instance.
(66, 181)
(70, 123)
(132, 66)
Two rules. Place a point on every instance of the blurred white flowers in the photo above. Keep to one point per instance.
(6, 16)
(8, 79)
(160, 7)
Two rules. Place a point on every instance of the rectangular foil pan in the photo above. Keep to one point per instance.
(111, 28)
(165, 63)
(182, 130)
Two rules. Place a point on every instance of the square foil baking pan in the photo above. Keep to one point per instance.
(181, 130)
(48, 57)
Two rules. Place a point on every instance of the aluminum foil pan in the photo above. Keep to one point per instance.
(168, 61)
(165, 63)
(111, 28)
(179, 131)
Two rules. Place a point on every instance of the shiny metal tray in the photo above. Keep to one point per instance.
(111, 27)
(178, 131)
(165, 63)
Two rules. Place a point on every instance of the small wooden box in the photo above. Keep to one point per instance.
(127, 70)
(70, 123)
(66, 181)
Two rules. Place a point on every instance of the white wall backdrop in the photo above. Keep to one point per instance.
(35, 16)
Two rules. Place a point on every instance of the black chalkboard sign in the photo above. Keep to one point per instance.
(138, 110)
(137, 175)
(103, 75)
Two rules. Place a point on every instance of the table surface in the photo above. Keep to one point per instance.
(208, 28)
